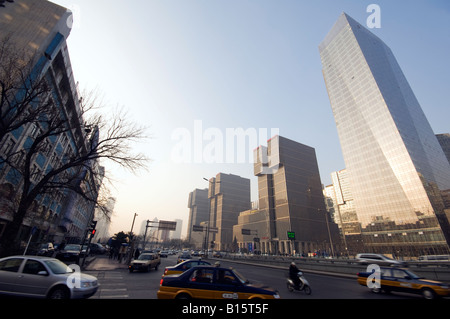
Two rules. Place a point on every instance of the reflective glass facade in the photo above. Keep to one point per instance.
(396, 167)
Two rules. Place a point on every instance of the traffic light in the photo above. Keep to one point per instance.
(92, 227)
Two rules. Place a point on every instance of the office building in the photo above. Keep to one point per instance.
(35, 32)
(292, 217)
(340, 203)
(228, 196)
(444, 141)
(198, 205)
(396, 168)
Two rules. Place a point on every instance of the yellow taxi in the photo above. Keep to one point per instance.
(183, 266)
(209, 282)
(402, 280)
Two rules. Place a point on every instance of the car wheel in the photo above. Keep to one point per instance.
(183, 297)
(59, 293)
(376, 290)
(156, 267)
(428, 293)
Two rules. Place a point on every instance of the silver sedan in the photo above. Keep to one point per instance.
(44, 277)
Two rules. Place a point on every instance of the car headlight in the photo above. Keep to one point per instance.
(87, 284)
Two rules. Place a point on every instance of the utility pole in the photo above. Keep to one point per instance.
(130, 255)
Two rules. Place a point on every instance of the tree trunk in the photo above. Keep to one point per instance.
(9, 246)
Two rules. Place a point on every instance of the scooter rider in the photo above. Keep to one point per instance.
(293, 271)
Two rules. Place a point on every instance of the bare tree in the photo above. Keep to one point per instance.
(28, 103)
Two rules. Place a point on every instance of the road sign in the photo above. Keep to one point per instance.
(166, 225)
(213, 229)
(197, 228)
(291, 235)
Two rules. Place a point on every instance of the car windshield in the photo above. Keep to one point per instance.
(145, 257)
(72, 247)
(241, 278)
(58, 267)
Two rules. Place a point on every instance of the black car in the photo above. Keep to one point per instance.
(70, 253)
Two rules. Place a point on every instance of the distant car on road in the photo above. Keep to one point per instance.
(145, 262)
(378, 259)
(43, 277)
(403, 280)
(184, 256)
(97, 249)
(209, 282)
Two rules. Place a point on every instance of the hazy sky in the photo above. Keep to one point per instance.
(191, 69)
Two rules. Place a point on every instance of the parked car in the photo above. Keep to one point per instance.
(70, 253)
(97, 249)
(164, 254)
(209, 282)
(43, 277)
(145, 262)
(46, 250)
(403, 280)
(378, 259)
(183, 266)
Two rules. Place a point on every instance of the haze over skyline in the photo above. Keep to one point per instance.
(202, 67)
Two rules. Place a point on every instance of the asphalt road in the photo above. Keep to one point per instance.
(118, 283)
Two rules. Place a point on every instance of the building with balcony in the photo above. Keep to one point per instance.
(35, 31)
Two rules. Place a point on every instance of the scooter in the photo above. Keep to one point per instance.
(303, 286)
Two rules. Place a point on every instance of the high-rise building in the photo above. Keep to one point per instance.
(34, 33)
(198, 205)
(340, 202)
(444, 141)
(292, 217)
(229, 195)
(396, 167)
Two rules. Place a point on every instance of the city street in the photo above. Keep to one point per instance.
(117, 283)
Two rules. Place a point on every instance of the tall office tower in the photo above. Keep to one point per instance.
(444, 141)
(290, 194)
(229, 195)
(397, 169)
(198, 205)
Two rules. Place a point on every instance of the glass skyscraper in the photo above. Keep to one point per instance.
(396, 168)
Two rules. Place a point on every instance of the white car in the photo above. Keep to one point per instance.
(44, 277)
(378, 259)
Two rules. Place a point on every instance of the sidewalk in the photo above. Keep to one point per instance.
(104, 263)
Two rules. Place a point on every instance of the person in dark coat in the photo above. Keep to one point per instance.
(293, 271)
